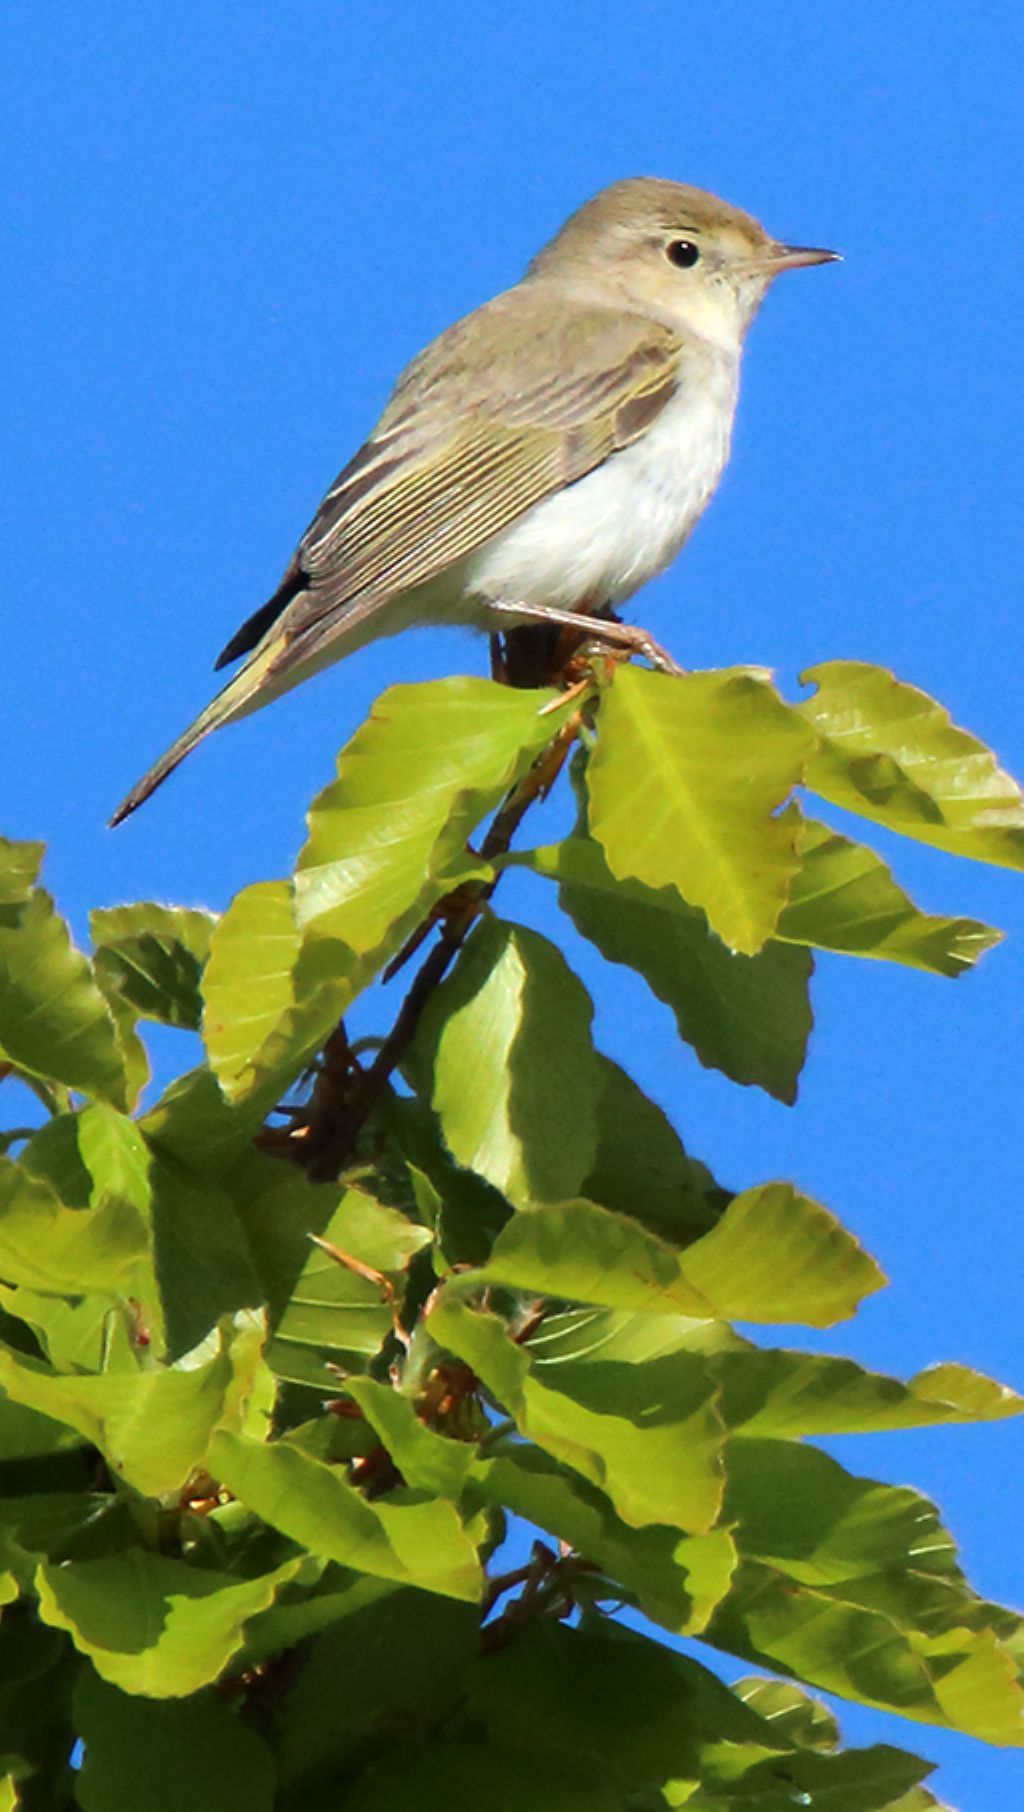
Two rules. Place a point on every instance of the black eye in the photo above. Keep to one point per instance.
(683, 252)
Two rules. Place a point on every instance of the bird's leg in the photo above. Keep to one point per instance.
(603, 629)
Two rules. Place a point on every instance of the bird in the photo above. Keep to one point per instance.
(540, 460)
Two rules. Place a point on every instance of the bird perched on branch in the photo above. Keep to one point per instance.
(540, 460)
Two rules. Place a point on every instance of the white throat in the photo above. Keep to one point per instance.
(718, 312)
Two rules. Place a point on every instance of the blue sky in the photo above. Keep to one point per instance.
(227, 228)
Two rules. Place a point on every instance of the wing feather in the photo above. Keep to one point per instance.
(447, 468)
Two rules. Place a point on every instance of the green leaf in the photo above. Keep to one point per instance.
(844, 898)
(115, 1154)
(774, 1256)
(444, 1775)
(858, 1780)
(427, 1460)
(890, 752)
(75, 1334)
(658, 1459)
(748, 1016)
(66, 1251)
(153, 957)
(194, 1125)
(203, 1264)
(674, 1580)
(387, 841)
(54, 1021)
(792, 1714)
(463, 1210)
(792, 1393)
(37, 1672)
(685, 786)
(134, 1750)
(54, 1156)
(516, 1080)
(388, 837)
(334, 1311)
(641, 1167)
(19, 868)
(649, 1719)
(586, 1254)
(407, 1537)
(25, 1434)
(854, 1587)
(402, 1656)
(152, 1625)
(153, 1427)
(266, 1012)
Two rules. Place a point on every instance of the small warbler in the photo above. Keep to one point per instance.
(540, 460)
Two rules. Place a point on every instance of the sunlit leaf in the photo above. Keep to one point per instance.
(19, 869)
(54, 1020)
(390, 833)
(658, 1459)
(426, 1459)
(150, 1624)
(265, 1011)
(748, 1016)
(855, 1587)
(66, 1251)
(844, 898)
(685, 786)
(774, 1255)
(153, 1427)
(515, 1076)
(890, 752)
(409, 1537)
(791, 1393)
(116, 1156)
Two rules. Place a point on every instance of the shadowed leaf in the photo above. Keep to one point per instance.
(748, 1016)
(153, 956)
(134, 1749)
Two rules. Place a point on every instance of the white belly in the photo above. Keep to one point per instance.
(603, 537)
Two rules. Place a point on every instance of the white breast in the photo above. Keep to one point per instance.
(600, 539)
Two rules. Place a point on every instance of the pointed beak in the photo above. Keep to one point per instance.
(795, 257)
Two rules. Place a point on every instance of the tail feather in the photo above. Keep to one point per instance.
(235, 699)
